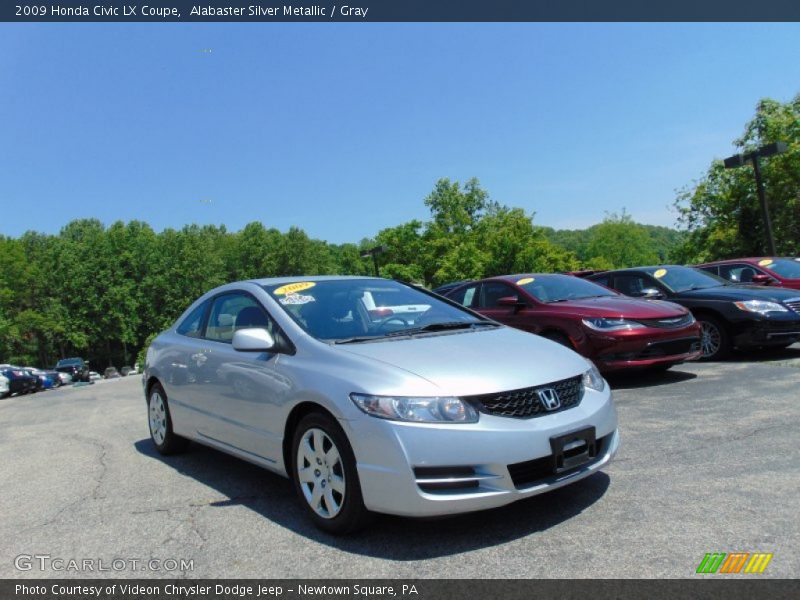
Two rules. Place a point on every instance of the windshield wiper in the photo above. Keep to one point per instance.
(444, 326)
(356, 340)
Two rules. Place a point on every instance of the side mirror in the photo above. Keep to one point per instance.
(651, 294)
(762, 279)
(511, 301)
(253, 340)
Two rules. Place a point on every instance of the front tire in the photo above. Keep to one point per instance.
(715, 341)
(325, 478)
(164, 438)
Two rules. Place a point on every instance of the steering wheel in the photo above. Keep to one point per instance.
(387, 320)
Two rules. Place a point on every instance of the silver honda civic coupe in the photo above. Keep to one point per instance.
(377, 397)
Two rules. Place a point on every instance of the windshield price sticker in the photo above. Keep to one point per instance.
(765, 262)
(525, 280)
(291, 288)
(660, 273)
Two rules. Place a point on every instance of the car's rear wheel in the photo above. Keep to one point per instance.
(160, 421)
(325, 477)
(715, 341)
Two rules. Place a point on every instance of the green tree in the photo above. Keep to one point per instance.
(721, 212)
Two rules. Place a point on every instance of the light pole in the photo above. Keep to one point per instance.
(373, 252)
(738, 160)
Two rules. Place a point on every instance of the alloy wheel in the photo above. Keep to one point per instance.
(710, 339)
(158, 418)
(320, 472)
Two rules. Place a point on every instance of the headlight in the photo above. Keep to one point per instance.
(607, 324)
(761, 307)
(593, 380)
(418, 410)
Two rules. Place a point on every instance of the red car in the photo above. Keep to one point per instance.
(615, 331)
(775, 271)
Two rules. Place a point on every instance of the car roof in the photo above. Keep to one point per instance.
(749, 259)
(314, 278)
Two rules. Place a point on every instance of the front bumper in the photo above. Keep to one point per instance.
(392, 457)
(767, 332)
(643, 348)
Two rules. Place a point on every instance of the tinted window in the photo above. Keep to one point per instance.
(193, 324)
(738, 273)
(786, 267)
(683, 279)
(235, 311)
(493, 291)
(466, 296)
(631, 284)
(557, 288)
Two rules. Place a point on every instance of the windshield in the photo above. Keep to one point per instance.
(684, 279)
(785, 267)
(68, 362)
(558, 288)
(352, 310)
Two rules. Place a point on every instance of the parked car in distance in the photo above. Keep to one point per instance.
(612, 330)
(94, 376)
(111, 373)
(19, 380)
(451, 413)
(65, 378)
(443, 289)
(126, 371)
(776, 271)
(76, 367)
(45, 380)
(730, 316)
(5, 388)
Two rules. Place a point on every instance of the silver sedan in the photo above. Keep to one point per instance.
(376, 397)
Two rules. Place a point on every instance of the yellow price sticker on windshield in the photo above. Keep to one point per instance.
(765, 262)
(660, 273)
(291, 288)
(525, 280)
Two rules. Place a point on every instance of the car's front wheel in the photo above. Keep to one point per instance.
(715, 341)
(160, 421)
(325, 476)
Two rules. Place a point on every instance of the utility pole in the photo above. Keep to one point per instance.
(738, 160)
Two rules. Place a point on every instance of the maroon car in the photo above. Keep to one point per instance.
(615, 331)
(776, 271)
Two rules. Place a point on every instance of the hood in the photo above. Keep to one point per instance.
(734, 293)
(622, 306)
(476, 361)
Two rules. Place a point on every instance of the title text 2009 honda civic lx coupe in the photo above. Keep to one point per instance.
(375, 396)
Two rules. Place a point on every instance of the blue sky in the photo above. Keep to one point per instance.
(343, 129)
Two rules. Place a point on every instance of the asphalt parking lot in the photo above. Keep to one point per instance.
(710, 462)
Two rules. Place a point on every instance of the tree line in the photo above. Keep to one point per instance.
(102, 291)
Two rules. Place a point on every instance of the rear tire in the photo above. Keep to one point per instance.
(715, 340)
(164, 438)
(323, 470)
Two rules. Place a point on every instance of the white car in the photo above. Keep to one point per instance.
(94, 376)
(5, 391)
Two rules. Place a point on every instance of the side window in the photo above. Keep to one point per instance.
(493, 291)
(738, 273)
(712, 270)
(631, 284)
(602, 280)
(235, 311)
(192, 326)
(466, 296)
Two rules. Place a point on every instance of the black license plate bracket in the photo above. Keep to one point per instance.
(573, 449)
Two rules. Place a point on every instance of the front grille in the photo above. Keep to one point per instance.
(671, 348)
(794, 304)
(525, 403)
(669, 322)
(531, 472)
